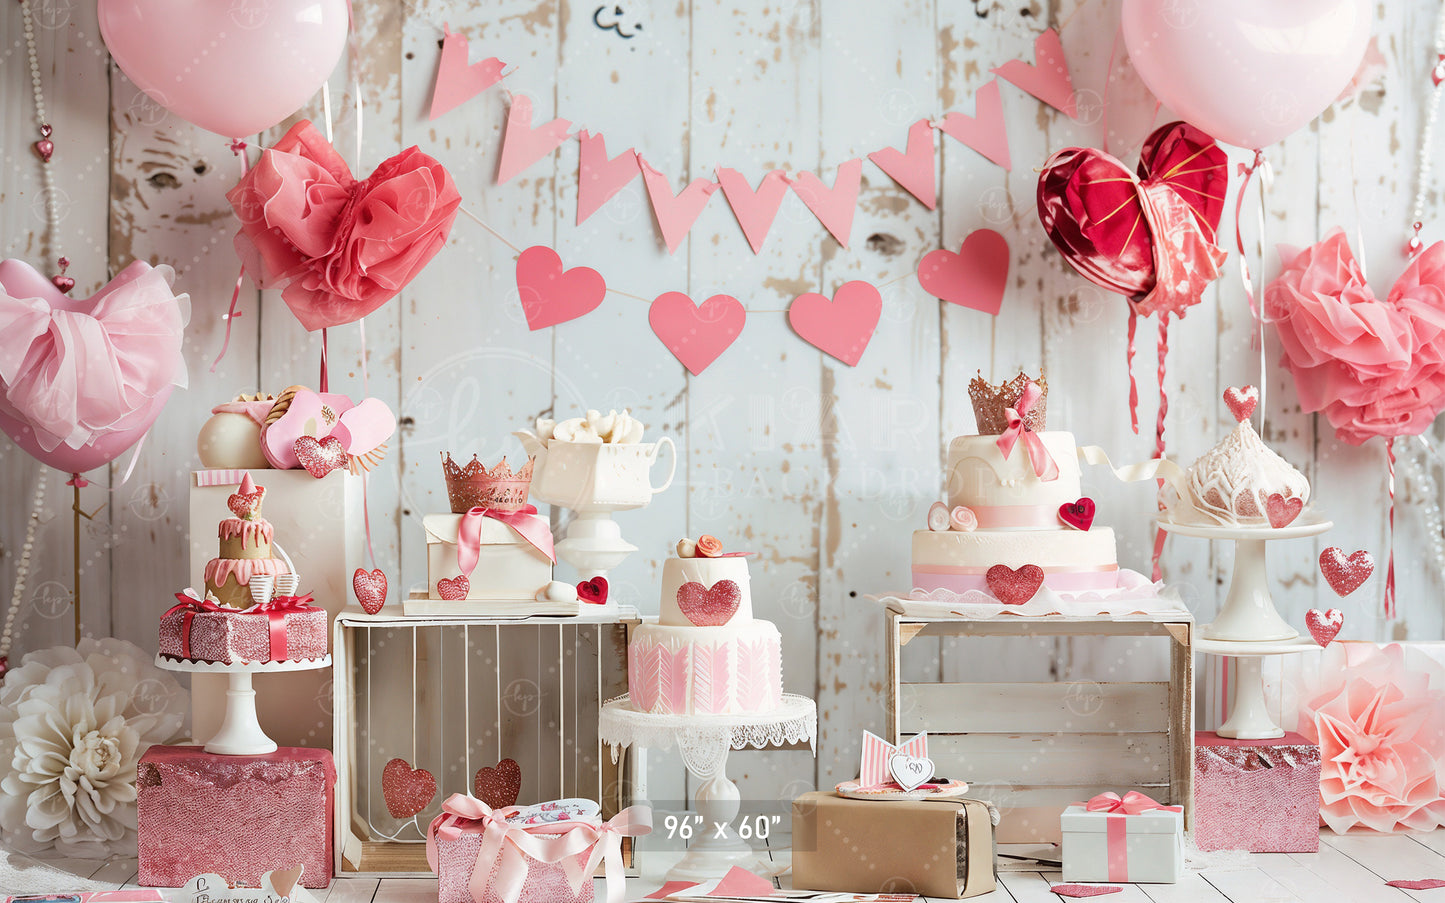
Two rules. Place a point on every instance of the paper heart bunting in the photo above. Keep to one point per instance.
(1079, 515)
(912, 169)
(454, 589)
(320, 457)
(710, 606)
(457, 80)
(500, 786)
(696, 334)
(551, 295)
(975, 277)
(523, 145)
(370, 589)
(598, 178)
(1048, 78)
(593, 591)
(984, 131)
(834, 207)
(1345, 573)
(841, 327)
(1324, 626)
(755, 209)
(675, 213)
(1281, 511)
(1241, 402)
(407, 790)
(1014, 586)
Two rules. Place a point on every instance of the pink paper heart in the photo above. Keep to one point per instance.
(984, 131)
(1084, 890)
(1324, 625)
(454, 589)
(407, 790)
(457, 80)
(975, 277)
(841, 327)
(912, 169)
(1241, 402)
(755, 209)
(598, 178)
(696, 333)
(365, 427)
(1014, 587)
(1344, 573)
(710, 606)
(551, 295)
(1049, 79)
(1282, 511)
(1416, 883)
(593, 591)
(834, 207)
(370, 589)
(320, 458)
(675, 213)
(1079, 515)
(523, 145)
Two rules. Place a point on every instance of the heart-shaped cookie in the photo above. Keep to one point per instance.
(1241, 402)
(1324, 625)
(407, 790)
(593, 591)
(455, 588)
(1282, 511)
(910, 772)
(320, 458)
(709, 606)
(498, 786)
(1014, 587)
(1079, 515)
(370, 589)
(1344, 573)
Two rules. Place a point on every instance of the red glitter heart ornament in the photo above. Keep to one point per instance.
(370, 589)
(453, 589)
(1324, 625)
(593, 591)
(1085, 890)
(1079, 515)
(1014, 587)
(245, 504)
(499, 787)
(1241, 402)
(709, 607)
(1344, 573)
(1282, 511)
(407, 790)
(320, 458)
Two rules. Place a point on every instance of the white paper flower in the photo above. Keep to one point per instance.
(73, 725)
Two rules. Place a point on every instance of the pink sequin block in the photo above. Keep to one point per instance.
(1262, 796)
(236, 816)
(546, 882)
(235, 636)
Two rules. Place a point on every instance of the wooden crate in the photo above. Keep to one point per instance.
(453, 695)
(1040, 746)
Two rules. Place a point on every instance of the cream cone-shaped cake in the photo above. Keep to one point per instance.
(245, 549)
(1232, 483)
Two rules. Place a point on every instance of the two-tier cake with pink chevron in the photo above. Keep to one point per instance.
(706, 654)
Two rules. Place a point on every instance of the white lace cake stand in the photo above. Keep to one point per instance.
(704, 741)
(240, 733)
(1248, 614)
(1249, 717)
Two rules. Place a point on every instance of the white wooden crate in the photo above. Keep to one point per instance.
(1036, 747)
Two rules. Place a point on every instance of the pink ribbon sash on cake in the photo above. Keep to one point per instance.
(469, 533)
(1116, 838)
(1043, 463)
(509, 848)
(191, 605)
(276, 611)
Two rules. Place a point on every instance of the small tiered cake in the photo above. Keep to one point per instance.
(706, 654)
(245, 549)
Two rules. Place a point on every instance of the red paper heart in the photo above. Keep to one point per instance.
(407, 790)
(499, 787)
(1084, 890)
(1282, 511)
(320, 458)
(1015, 587)
(709, 606)
(593, 591)
(841, 327)
(551, 295)
(1241, 402)
(1416, 883)
(975, 277)
(455, 588)
(1345, 573)
(370, 589)
(245, 504)
(1079, 515)
(1324, 625)
(696, 333)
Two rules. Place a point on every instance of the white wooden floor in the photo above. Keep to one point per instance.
(1347, 868)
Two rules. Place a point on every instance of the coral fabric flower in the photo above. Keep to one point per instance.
(709, 546)
(1380, 725)
(340, 248)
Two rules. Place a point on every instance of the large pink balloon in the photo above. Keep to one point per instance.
(1246, 72)
(234, 67)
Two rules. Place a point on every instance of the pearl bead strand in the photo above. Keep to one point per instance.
(1427, 138)
(22, 571)
(44, 148)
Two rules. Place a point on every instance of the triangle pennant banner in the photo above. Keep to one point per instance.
(834, 207)
(984, 131)
(523, 145)
(1048, 79)
(754, 209)
(457, 80)
(675, 213)
(912, 169)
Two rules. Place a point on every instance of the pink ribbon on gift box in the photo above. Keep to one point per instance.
(509, 848)
(469, 533)
(192, 605)
(276, 611)
(1116, 837)
(1043, 463)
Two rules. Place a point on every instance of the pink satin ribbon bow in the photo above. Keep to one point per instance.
(1132, 803)
(276, 611)
(192, 605)
(469, 534)
(1116, 837)
(509, 848)
(1043, 463)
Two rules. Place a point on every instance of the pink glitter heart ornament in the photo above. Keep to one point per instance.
(709, 606)
(1014, 587)
(1241, 402)
(1085, 890)
(407, 790)
(1324, 625)
(370, 589)
(454, 589)
(320, 458)
(1344, 573)
(1282, 511)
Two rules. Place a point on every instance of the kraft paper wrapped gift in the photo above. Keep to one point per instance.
(238, 817)
(937, 848)
(1261, 796)
(508, 567)
(1131, 840)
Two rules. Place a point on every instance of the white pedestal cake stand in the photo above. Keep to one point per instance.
(704, 741)
(240, 733)
(1249, 718)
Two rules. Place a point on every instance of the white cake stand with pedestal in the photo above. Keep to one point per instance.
(240, 733)
(705, 741)
(1249, 717)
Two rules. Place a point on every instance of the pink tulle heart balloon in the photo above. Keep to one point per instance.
(233, 68)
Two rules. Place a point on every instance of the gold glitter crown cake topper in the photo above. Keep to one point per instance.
(990, 402)
(474, 486)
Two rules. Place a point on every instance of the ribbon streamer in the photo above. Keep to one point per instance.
(469, 533)
(1390, 567)
(239, 149)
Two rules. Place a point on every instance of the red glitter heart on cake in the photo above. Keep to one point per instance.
(1344, 573)
(453, 589)
(245, 504)
(1241, 402)
(709, 607)
(1015, 587)
(407, 790)
(1079, 515)
(1324, 625)
(499, 787)
(370, 589)
(593, 591)
(1282, 511)
(320, 458)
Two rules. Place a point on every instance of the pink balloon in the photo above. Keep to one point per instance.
(97, 453)
(235, 68)
(1246, 72)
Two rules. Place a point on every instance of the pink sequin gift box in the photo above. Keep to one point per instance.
(235, 816)
(227, 635)
(1262, 796)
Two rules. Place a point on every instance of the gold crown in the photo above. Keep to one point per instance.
(474, 486)
(989, 402)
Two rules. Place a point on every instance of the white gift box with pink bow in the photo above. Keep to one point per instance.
(1132, 840)
(507, 565)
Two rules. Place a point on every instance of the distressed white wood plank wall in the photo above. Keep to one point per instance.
(821, 468)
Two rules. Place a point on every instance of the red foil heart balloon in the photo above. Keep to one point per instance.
(1324, 625)
(320, 458)
(370, 589)
(709, 606)
(407, 790)
(1282, 511)
(1014, 587)
(593, 591)
(1079, 515)
(454, 589)
(1241, 402)
(499, 787)
(1344, 573)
